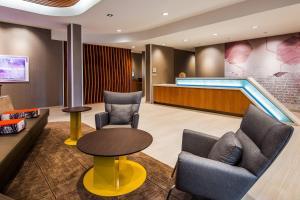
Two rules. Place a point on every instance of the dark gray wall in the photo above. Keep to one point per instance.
(184, 61)
(163, 61)
(137, 65)
(45, 87)
(210, 61)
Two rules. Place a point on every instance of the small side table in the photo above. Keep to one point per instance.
(75, 123)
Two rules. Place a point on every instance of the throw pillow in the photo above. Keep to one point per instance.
(227, 149)
(120, 114)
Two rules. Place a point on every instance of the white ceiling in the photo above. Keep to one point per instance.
(142, 22)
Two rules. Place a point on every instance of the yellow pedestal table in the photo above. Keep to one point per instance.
(113, 174)
(75, 123)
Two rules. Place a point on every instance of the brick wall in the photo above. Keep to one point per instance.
(285, 88)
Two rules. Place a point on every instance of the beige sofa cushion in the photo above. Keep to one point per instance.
(5, 104)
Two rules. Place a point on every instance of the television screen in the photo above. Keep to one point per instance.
(14, 68)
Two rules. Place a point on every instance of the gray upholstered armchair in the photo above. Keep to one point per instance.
(120, 109)
(262, 139)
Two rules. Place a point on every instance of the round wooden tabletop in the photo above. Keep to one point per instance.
(114, 142)
(77, 109)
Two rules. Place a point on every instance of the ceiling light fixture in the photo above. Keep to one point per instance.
(215, 34)
(165, 14)
(133, 47)
(109, 15)
(119, 30)
(185, 40)
(163, 44)
(255, 27)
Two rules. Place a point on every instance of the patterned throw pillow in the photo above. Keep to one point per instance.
(13, 126)
(18, 114)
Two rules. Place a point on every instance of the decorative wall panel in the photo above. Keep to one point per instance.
(105, 68)
(55, 3)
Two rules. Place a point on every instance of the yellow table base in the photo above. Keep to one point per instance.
(75, 128)
(112, 177)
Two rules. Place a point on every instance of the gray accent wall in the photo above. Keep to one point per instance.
(162, 64)
(137, 65)
(184, 61)
(210, 61)
(45, 86)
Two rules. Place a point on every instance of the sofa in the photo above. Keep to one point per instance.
(14, 148)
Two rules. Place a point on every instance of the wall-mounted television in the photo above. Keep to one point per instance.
(14, 68)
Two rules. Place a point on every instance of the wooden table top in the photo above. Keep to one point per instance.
(77, 109)
(114, 142)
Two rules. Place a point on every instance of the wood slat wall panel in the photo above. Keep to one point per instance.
(105, 68)
(55, 3)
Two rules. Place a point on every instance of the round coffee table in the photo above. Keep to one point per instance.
(75, 123)
(112, 174)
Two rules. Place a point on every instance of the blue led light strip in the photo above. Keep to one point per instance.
(243, 84)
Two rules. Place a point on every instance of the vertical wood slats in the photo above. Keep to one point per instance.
(105, 68)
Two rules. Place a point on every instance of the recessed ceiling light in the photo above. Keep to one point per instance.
(165, 14)
(215, 34)
(185, 40)
(109, 15)
(163, 44)
(119, 30)
(255, 27)
(133, 47)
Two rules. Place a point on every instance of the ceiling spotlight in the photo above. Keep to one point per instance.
(185, 40)
(109, 15)
(215, 34)
(119, 30)
(165, 14)
(255, 27)
(133, 47)
(163, 44)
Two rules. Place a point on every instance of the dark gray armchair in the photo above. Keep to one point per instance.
(114, 98)
(262, 139)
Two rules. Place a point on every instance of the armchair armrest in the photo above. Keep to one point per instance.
(197, 143)
(135, 120)
(212, 179)
(101, 119)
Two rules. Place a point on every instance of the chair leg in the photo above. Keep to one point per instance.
(170, 191)
(174, 170)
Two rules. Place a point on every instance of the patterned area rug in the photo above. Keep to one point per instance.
(54, 170)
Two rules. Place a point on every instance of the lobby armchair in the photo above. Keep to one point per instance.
(262, 139)
(116, 104)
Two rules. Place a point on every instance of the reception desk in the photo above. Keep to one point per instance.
(230, 96)
(230, 101)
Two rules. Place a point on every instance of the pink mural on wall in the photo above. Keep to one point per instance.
(273, 56)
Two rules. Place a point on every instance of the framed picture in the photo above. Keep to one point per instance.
(14, 68)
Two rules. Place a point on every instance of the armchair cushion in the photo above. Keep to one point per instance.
(227, 149)
(120, 114)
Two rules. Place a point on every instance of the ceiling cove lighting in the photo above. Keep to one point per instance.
(165, 14)
(77, 9)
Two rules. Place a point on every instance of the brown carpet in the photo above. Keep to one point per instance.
(54, 170)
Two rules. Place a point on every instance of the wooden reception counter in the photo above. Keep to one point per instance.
(222, 100)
